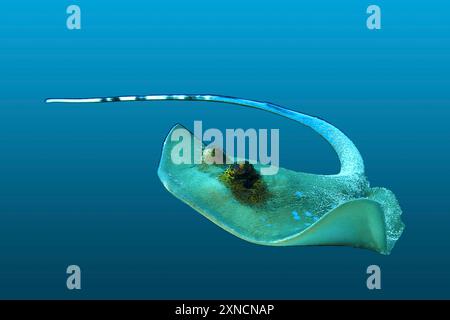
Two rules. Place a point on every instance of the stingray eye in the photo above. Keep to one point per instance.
(214, 155)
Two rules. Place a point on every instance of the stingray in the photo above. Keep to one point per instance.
(300, 208)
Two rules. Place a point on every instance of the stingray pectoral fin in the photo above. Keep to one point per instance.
(357, 223)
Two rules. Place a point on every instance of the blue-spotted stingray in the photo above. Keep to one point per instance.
(302, 209)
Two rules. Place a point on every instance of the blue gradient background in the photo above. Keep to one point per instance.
(78, 184)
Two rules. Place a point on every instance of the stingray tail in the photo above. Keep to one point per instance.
(349, 156)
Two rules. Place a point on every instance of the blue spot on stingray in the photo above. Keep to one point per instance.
(298, 194)
(308, 213)
(316, 218)
(295, 215)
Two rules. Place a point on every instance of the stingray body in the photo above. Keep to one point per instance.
(303, 209)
